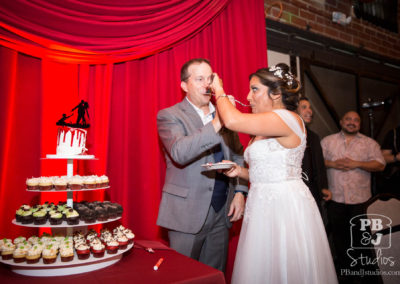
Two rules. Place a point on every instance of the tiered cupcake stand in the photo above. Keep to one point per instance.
(75, 266)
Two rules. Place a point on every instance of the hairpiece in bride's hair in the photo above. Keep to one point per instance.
(279, 72)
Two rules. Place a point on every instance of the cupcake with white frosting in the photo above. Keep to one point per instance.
(45, 183)
(83, 251)
(90, 182)
(60, 183)
(97, 248)
(112, 246)
(76, 183)
(66, 252)
(49, 254)
(104, 181)
(34, 253)
(19, 254)
(32, 183)
(7, 251)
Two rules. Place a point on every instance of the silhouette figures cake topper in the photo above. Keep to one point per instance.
(82, 112)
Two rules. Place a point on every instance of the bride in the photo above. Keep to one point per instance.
(282, 239)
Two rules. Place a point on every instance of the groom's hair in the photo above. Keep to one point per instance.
(185, 68)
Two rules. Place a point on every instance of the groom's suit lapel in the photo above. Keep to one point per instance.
(191, 114)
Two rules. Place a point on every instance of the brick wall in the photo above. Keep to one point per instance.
(316, 16)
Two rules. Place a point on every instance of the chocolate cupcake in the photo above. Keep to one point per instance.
(101, 213)
(40, 217)
(18, 215)
(72, 216)
(119, 209)
(82, 211)
(90, 216)
(27, 217)
(56, 218)
(112, 211)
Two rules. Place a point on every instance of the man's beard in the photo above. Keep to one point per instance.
(350, 132)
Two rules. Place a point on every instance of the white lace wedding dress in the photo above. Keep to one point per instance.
(283, 239)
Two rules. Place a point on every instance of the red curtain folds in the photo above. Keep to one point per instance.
(102, 31)
(36, 89)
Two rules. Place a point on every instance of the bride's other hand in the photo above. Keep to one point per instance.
(236, 209)
(234, 171)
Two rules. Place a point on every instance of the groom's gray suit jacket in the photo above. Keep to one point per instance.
(188, 188)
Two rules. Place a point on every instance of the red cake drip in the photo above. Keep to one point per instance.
(79, 132)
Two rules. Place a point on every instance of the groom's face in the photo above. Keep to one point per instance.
(200, 78)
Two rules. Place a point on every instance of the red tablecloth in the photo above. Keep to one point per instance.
(136, 266)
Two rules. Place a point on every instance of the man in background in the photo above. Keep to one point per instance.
(350, 157)
(313, 161)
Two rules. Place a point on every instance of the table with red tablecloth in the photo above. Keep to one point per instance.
(136, 266)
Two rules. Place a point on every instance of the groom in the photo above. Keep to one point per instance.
(198, 206)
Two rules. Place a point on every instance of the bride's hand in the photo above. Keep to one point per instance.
(234, 171)
(217, 85)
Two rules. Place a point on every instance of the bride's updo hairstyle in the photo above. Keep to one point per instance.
(280, 80)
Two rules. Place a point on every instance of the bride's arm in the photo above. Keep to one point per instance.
(261, 124)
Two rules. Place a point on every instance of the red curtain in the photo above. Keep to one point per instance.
(102, 31)
(47, 67)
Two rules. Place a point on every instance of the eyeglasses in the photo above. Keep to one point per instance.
(202, 80)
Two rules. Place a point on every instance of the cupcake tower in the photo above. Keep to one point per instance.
(66, 215)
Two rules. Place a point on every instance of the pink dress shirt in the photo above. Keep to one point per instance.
(353, 186)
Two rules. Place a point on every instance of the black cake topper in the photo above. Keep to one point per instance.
(82, 110)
